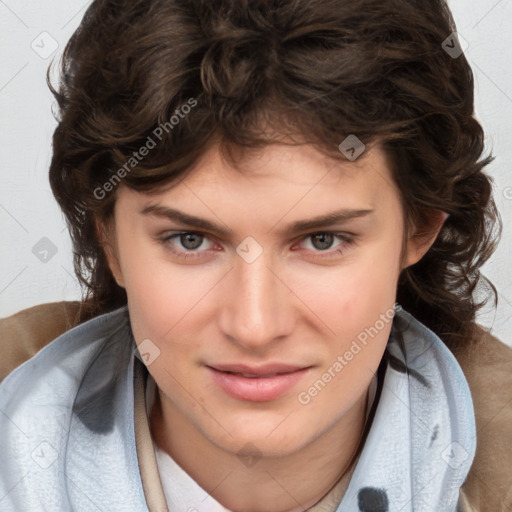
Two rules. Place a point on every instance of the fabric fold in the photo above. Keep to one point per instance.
(423, 438)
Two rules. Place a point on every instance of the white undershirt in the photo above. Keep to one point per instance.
(182, 492)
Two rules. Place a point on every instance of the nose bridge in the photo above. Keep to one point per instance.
(255, 310)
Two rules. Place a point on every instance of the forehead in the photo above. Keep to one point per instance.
(275, 181)
(281, 166)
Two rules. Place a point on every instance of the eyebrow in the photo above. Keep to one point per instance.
(321, 221)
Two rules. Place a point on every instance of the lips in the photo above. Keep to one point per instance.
(268, 370)
(256, 384)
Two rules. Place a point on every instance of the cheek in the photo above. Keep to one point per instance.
(356, 303)
(361, 317)
(362, 322)
(166, 303)
(159, 302)
(353, 296)
(369, 291)
(155, 294)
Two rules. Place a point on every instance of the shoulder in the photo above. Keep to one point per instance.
(487, 366)
(23, 334)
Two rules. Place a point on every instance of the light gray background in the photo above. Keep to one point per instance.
(30, 30)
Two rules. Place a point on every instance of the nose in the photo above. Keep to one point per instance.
(256, 305)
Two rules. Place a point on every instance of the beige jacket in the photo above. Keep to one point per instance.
(487, 367)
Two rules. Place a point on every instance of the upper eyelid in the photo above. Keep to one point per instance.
(169, 233)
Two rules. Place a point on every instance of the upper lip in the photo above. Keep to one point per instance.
(267, 369)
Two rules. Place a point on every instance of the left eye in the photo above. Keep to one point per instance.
(321, 241)
(189, 240)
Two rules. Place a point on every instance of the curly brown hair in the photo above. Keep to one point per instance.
(320, 70)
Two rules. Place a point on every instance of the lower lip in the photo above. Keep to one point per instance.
(258, 389)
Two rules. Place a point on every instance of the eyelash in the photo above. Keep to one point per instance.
(348, 241)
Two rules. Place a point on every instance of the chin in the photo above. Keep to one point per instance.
(261, 435)
(262, 446)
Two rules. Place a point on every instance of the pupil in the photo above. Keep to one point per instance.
(324, 239)
(189, 237)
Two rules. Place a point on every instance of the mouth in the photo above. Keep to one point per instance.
(253, 384)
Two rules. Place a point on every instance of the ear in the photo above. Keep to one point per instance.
(105, 232)
(422, 237)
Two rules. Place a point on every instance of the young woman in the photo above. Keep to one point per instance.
(279, 211)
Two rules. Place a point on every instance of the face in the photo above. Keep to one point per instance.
(265, 323)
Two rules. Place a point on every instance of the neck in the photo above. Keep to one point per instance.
(285, 483)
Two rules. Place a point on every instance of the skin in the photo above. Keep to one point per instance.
(292, 304)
